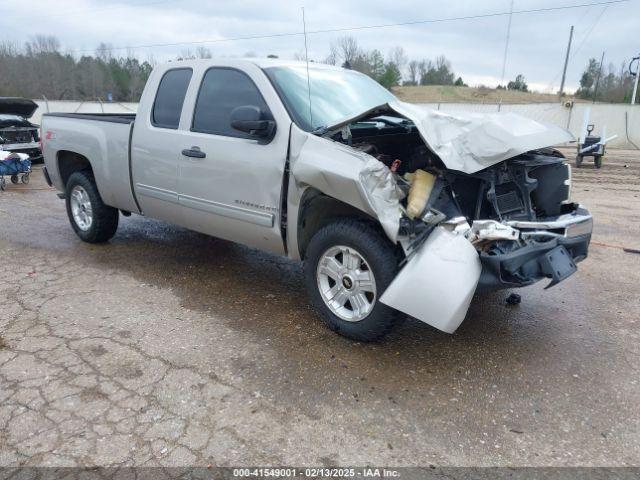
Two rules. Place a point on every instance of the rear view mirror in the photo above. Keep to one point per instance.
(250, 119)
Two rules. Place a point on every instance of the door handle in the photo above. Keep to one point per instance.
(193, 152)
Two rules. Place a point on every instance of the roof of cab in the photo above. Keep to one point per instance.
(260, 62)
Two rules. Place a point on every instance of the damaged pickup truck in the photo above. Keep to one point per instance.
(17, 133)
(394, 208)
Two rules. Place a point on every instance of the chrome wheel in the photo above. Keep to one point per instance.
(81, 208)
(346, 283)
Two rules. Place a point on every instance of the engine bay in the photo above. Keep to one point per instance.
(532, 186)
(492, 206)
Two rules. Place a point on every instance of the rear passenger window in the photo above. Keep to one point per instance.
(170, 97)
(222, 90)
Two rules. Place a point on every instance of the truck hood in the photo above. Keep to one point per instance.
(22, 107)
(469, 142)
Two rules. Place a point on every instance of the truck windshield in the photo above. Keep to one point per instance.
(335, 94)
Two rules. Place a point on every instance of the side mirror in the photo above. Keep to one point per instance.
(250, 119)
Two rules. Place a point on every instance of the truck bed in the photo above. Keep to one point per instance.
(125, 118)
(103, 140)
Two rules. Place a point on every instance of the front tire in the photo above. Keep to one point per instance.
(597, 160)
(91, 219)
(348, 265)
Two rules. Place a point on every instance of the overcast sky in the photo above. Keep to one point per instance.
(474, 46)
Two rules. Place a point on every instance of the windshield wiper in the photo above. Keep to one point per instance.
(321, 130)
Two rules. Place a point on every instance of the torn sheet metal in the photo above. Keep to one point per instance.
(437, 284)
(490, 230)
(384, 195)
(469, 142)
(352, 177)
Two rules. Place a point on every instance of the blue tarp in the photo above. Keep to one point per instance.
(14, 166)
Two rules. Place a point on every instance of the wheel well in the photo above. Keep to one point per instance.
(71, 162)
(318, 210)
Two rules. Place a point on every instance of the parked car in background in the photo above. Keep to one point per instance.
(394, 208)
(17, 133)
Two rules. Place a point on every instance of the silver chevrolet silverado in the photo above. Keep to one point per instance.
(394, 208)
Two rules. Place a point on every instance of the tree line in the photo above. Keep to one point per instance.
(388, 71)
(606, 83)
(40, 68)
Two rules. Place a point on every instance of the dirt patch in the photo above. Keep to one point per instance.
(449, 93)
(3, 343)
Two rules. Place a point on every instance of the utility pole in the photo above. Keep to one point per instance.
(566, 63)
(637, 75)
(595, 91)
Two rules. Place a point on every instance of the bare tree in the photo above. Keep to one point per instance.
(186, 55)
(348, 49)
(397, 57)
(442, 63)
(423, 67)
(151, 60)
(203, 52)
(396, 60)
(414, 72)
(103, 52)
(332, 58)
(42, 44)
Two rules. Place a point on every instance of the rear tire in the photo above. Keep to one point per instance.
(91, 219)
(348, 265)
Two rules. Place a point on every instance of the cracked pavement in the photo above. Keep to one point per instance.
(169, 348)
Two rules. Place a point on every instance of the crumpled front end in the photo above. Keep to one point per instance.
(506, 237)
(499, 216)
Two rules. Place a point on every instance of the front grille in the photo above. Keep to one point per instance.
(509, 202)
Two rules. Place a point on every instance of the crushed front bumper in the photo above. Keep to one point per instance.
(437, 283)
(552, 247)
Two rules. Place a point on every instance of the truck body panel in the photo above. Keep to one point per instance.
(446, 270)
(103, 141)
(190, 157)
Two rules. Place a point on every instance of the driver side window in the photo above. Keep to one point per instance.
(221, 91)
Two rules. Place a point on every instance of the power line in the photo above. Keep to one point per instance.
(593, 25)
(506, 44)
(363, 27)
